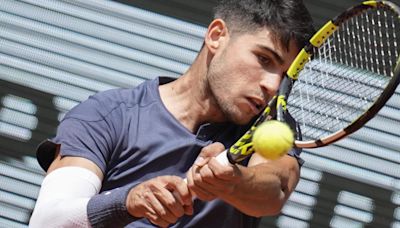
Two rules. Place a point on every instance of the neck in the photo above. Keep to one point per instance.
(188, 99)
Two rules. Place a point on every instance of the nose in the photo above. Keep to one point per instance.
(270, 83)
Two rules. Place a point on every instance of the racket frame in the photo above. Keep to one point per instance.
(278, 104)
(306, 54)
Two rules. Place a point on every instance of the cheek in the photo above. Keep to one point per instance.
(233, 71)
(248, 72)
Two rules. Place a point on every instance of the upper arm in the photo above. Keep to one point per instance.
(65, 193)
(82, 140)
(60, 162)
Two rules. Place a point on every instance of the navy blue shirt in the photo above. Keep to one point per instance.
(132, 137)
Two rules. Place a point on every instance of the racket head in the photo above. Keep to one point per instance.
(345, 75)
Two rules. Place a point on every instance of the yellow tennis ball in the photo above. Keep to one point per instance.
(272, 139)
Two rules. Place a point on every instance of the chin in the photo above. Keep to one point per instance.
(238, 116)
(242, 120)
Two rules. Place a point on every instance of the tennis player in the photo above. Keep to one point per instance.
(120, 157)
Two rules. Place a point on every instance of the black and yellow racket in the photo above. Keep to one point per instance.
(340, 79)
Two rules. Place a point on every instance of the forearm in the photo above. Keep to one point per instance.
(63, 198)
(265, 187)
(69, 198)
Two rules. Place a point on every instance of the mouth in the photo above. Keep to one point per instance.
(256, 104)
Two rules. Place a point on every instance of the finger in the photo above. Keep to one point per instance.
(160, 210)
(189, 178)
(207, 175)
(223, 172)
(203, 194)
(148, 207)
(171, 203)
(193, 171)
(212, 150)
(213, 183)
(181, 191)
(188, 209)
(137, 204)
(195, 185)
(199, 187)
(216, 174)
(213, 187)
(156, 220)
(201, 161)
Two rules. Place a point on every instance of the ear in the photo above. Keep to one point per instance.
(217, 33)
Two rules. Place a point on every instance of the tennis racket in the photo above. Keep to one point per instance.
(339, 80)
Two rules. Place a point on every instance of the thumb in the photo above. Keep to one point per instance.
(211, 150)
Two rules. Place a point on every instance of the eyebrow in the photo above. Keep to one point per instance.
(274, 53)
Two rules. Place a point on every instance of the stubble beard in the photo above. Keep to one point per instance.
(215, 89)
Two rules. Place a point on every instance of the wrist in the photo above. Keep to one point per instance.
(236, 192)
(109, 209)
(130, 203)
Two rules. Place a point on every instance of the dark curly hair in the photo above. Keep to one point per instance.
(287, 19)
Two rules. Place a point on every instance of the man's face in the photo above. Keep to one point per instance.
(245, 73)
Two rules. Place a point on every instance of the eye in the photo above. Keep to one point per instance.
(264, 60)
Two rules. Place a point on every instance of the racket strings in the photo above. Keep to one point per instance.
(346, 74)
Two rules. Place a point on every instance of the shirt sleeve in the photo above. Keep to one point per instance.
(87, 131)
(86, 139)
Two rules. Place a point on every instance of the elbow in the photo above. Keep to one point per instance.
(269, 207)
(268, 211)
(45, 213)
(276, 199)
(39, 218)
(274, 208)
(61, 213)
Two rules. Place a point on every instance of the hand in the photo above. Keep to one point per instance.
(208, 179)
(162, 200)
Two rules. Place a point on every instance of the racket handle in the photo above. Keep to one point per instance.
(223, 158)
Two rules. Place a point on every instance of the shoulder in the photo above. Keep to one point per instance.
(100, 105)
